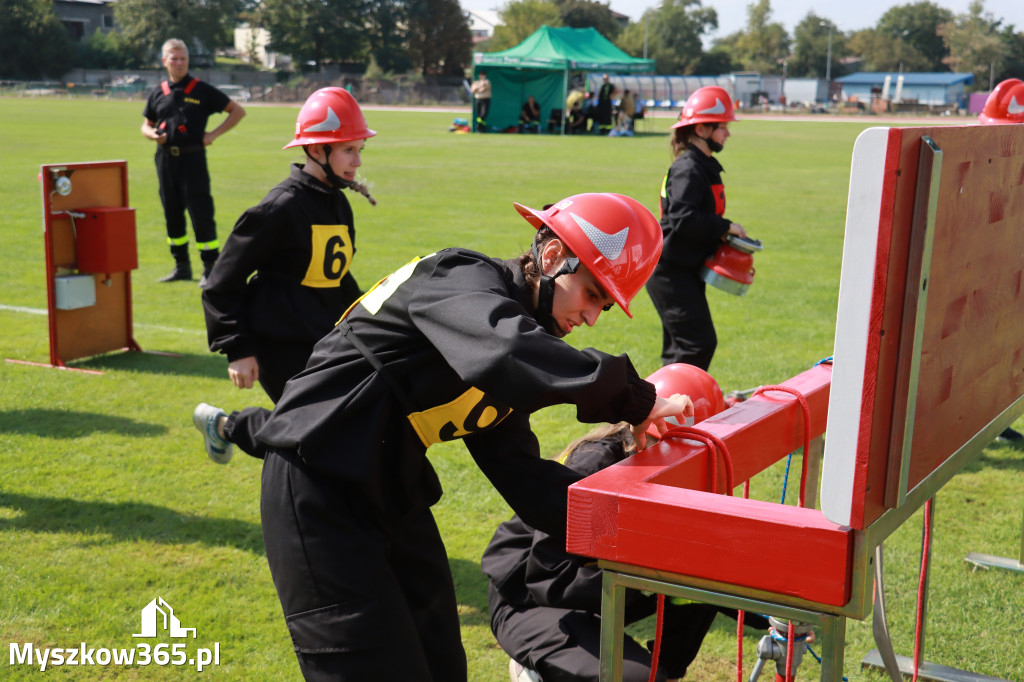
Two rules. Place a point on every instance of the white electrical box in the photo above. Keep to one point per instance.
(74, 291)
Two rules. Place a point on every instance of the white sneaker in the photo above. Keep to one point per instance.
(205, 417)
(518, 673)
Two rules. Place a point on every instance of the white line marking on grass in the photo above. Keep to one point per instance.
(140, 325)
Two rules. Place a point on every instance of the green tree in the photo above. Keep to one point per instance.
(765, 43)
(520, 19)
(386, 35)
(718, 60)
(913, 30)
(440, 43)
(33, 42)
(317, 31)
(203, 24)
(589, 13)
(974, 43)
(811, 48)
(678, 32)
(1013, 62)
(874, 49)
(673, 31)
(106, 50)
(882, 51)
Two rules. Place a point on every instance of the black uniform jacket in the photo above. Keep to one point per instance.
(300, 241)
(462, 357)
(528, 567)
(185, 114)
(692, 206)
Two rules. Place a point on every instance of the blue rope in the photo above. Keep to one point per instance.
(785, 479)
(789, 458)
(818, 659)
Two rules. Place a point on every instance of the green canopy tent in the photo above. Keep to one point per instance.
(540, 66)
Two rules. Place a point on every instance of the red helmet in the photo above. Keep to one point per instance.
(614, 236)
(710, 104)
(330, 115)
(692, 381)
(1005, 104)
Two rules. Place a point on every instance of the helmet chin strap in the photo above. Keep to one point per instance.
(712, 145)
(333, 179)
(546, 289)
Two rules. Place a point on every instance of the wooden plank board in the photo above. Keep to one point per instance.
(972, 345)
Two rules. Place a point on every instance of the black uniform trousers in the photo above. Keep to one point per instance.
(363, 598)
(279, 361)
(185, 185)
(688, 333)
(483, 108)
(564, 645)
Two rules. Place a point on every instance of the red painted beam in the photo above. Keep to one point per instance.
(651, 510)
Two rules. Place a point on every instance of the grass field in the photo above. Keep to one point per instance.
(107, 499)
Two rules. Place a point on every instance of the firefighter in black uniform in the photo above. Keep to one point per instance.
(694, 226)
(175, 118)
(453, 345)
(545, 603)
(602, 124)
(299, 241)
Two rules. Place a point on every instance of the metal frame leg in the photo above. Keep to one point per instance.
(884, 656)
(615, 583)
(613, 616)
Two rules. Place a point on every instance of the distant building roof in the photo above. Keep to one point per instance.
(909, 78)
(482, 23)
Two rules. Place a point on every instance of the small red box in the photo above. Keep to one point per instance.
(105, 240)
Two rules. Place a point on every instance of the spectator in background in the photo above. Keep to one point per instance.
(576, 120)
(529, 116)
(627, 107)
(603, 111)
(175, 116)
(481, 90)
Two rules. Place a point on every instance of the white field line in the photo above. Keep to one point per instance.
(139, 325)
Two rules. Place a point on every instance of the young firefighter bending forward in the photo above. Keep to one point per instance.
(455, 345)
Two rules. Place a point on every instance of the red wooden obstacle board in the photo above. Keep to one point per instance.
(929, 368)
(101, 246)
(930, 333)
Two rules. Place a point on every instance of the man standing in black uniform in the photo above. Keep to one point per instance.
(176, 114)
(603, 113)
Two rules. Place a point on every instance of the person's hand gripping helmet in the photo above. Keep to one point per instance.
(330, 115)
(702, 388)
(710, 104)
(1005, 104)
(614, 236)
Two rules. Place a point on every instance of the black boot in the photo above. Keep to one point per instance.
(207, 268)
(209, 259)
(182, 272)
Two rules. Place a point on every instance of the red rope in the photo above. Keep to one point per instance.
(740, 614)
(807, 430)
(926, 543)
(714, 445)
(739, 645)
(789, 653)
(657, 638)
(803, 490)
